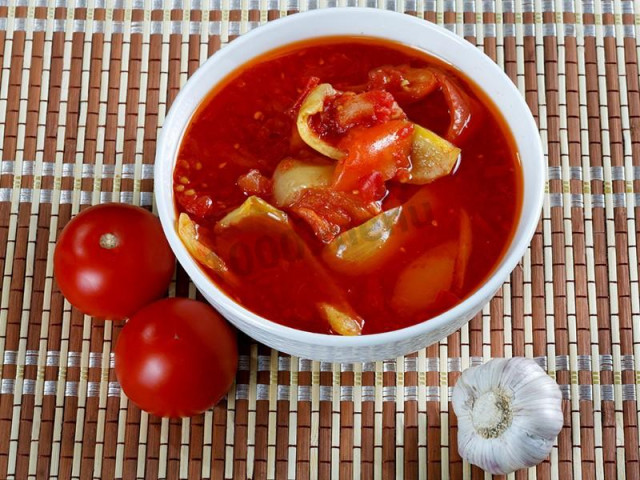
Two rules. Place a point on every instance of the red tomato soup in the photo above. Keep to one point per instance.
(347, 186)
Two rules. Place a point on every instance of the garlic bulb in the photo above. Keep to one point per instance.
(509, 414)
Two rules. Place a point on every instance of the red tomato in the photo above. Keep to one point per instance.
(176, 357)
(113, 259)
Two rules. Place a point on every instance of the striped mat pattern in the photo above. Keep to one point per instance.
(84, 87)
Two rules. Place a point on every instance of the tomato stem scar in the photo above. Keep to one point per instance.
(108, 241)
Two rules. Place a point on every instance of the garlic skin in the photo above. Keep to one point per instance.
(509, 414)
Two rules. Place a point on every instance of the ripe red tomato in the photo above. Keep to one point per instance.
(176, 357)
(113, 259)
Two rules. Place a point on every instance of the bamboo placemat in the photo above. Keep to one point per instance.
(85, 86)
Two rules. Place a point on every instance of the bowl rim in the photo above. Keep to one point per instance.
(527, 221)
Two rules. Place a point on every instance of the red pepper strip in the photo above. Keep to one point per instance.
(460, 110)
(383, 148)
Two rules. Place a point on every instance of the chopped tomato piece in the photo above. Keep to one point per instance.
(347, 110)
(329, 213)
(405, 83)
(254, 183)
(383, 148)
(197, 204)
(364, 109)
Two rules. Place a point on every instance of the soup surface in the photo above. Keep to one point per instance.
(347, 186)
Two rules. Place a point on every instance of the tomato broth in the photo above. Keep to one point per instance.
(248, 124)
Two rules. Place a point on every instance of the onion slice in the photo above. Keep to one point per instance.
(188, 233)
(364, 248)
(314, 103)
(253, 208)
(345, 323)
(292, 176)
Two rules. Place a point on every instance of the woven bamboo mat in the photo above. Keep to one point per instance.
(84, 88)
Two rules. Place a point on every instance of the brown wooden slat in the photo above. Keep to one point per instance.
(569, 284)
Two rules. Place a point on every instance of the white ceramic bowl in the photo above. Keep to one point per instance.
(371, 23)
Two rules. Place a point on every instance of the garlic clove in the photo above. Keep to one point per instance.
(509, 414)
(529, 421)
(526, 449)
